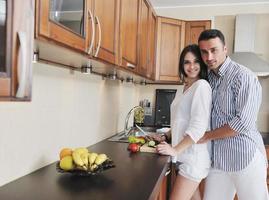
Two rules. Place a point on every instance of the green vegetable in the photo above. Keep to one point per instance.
(132, 139)
(151, 143)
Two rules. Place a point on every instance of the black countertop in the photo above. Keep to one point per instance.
(135, 177)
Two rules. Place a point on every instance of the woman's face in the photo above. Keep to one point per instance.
(191, 66)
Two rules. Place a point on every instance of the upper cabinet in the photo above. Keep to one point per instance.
(152, 45)
(172, 36)
(193, 30)
(144, 34)
(16, 49)
(103, 33)
(170, 42)
(124, 33)
(147, 40)
(129, 17)
(63, 21)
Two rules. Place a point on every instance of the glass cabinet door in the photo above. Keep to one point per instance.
(3, 35)
(69, 13)
(16, 49)
(63, 21)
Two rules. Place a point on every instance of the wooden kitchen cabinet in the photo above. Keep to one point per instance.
(163, 190)
(193, 30)
(129, 18)
(144, 33)
(152, 46)
(172, 36)
(63, 22)
(170, 42)
(104, 36)
(126, 34)
(16, 48)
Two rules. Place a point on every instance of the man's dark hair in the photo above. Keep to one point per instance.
(194, 49)
(211, 34)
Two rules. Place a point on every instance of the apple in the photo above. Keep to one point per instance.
(133, 147)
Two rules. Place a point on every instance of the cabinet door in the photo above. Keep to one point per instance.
(106, 30)
(193, 30)
(129, 34)
(5, 28)
(170, 42)
(16, 49)
(63, 21)
(144, 41)
(163, 190)
(152, 46)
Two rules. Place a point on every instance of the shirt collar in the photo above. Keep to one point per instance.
(224, 67)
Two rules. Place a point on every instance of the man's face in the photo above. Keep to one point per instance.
(213, 53)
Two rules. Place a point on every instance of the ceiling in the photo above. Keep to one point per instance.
(182, 3)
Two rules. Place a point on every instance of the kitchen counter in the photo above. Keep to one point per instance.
(136, 176)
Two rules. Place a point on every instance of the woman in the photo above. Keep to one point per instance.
(190, 117)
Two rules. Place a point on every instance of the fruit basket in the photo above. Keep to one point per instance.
(108, 164)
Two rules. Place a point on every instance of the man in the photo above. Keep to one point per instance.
(239, 161)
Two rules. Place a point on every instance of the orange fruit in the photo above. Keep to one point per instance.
(65, 152)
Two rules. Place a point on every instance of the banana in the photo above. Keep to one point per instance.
(84, 158)
(81, 150)
(100, 159)
(82, 168)
(93, 167)
(77, 159)
(92, 157)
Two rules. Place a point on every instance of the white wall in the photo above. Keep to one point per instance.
(67, 110)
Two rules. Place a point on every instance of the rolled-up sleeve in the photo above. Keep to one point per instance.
(248, 92)
(200, 111)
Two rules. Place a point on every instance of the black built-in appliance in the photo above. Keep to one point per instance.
(164, 98)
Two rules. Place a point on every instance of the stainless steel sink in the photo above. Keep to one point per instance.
(121, 137)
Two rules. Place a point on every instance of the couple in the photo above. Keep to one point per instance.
(213, 124)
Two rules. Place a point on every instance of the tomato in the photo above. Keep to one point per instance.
(133, 147)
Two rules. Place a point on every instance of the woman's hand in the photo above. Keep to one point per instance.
(166, 149)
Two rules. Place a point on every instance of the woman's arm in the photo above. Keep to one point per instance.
(166, 149)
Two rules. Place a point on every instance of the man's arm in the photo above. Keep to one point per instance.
(219, 133)
(247, 101)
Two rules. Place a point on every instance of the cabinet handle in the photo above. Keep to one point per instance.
(93, 32)
(21, 69)
(99, 37)
(130, 65)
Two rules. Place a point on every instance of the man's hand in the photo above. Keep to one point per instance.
(204, 139)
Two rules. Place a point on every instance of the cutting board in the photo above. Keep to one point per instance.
(146, 148)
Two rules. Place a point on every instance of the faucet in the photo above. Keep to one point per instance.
(126, 129)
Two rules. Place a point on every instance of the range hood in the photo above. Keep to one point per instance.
(244, 44)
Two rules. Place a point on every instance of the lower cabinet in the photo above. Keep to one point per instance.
(163, 189)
